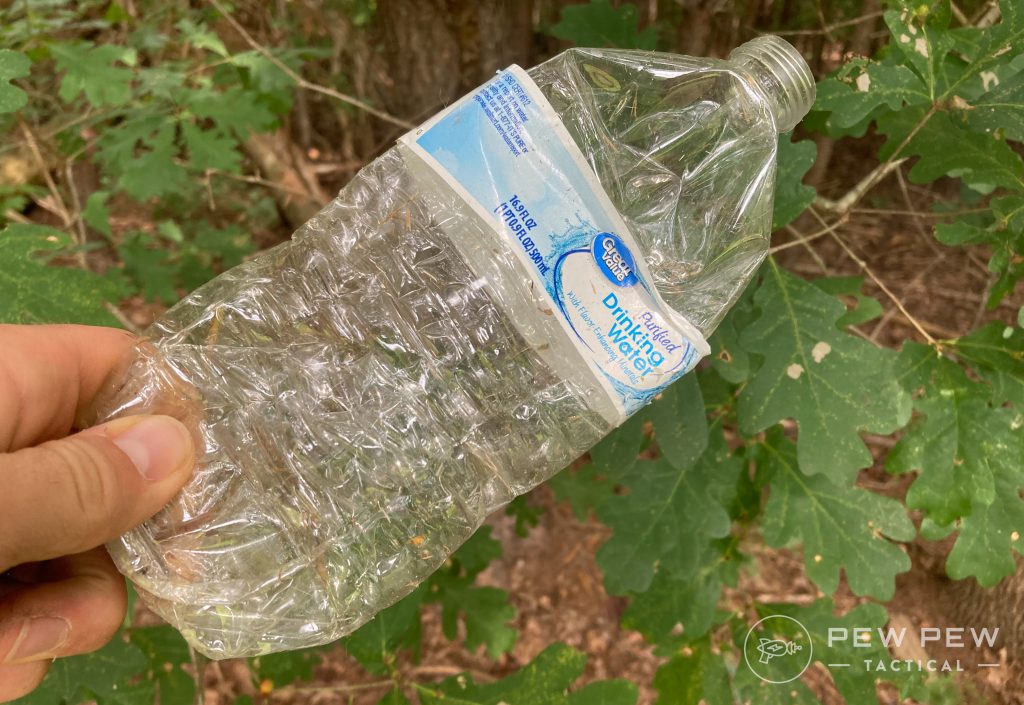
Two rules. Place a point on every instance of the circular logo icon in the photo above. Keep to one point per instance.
(614, 259)
(778, 649)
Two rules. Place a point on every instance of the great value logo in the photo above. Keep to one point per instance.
(614, 259)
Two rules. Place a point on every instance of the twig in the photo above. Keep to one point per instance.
(355, 687)
(959, 15)
(853, 196)
(199, 665)
(15, 216)
(919, 214)
(828, 29)
(255, 180)
(914, 283)
(921, 229)
(79, 221)
(62, 209)
(803, 240)
(302, 82)
(878, 282)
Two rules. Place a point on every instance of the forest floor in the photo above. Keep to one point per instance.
(552, 576)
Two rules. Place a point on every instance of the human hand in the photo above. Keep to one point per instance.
(64, 495)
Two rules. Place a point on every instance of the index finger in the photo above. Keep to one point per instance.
(48, 373)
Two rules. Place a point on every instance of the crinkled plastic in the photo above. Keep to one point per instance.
(365, 394)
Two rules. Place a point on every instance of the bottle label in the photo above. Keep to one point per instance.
(504, 150)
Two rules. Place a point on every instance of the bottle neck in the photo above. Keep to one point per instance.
(782, 74)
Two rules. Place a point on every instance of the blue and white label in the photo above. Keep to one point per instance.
(505, 151)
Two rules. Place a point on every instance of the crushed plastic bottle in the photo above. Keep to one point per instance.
(479, 306)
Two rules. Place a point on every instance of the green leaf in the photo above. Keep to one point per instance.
(833, 384)
(865, 308)
(689, 599)
(526, 514)
(862, 86)
(613, 692)
(95, 212)
(394, 697)
(93, 70)
(598, 24)
(236, 110)
(377, 642)
(667, 507)
(150, 267)
(484, 611)
(946, 149)
(584, 488)
(948, 438)
(990, 536)
(200, 37)
(840, 526)
(103, 675)
(920, 33)
(13, 64)
(792, 196)
(588, 487)
(286, 667)
(166, 652)
(32, 291)
(210, 149)
(970, 455)
(696, 675)
(680, 425)
(478, 552)
(543, 681)
(152, 172)
(229, 244)
(856, 683)
(1001, 109)
(996, 352)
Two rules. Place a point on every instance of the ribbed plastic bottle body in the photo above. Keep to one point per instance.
(369, 391)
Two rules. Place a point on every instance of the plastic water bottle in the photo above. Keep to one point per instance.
(479, 306)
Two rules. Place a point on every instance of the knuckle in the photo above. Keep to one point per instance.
(92, 488)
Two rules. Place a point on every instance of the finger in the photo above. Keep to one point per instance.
(77, 613)
(48, 374)
(21, 679)
(71, 495)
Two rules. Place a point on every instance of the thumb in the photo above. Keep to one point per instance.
(70, 495)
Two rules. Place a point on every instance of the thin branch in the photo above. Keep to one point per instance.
(30, 140)
(244, 178)
(919, 214)
(852, 197)
(299, 80)
(121, 318)
(914, 283)
(355, 687)
(804, 240)
(878, 282)
(828, 29)
(79, 221)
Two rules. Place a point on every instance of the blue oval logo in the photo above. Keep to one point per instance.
(614, 259)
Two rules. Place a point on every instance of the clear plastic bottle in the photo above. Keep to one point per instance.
(369, 391)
